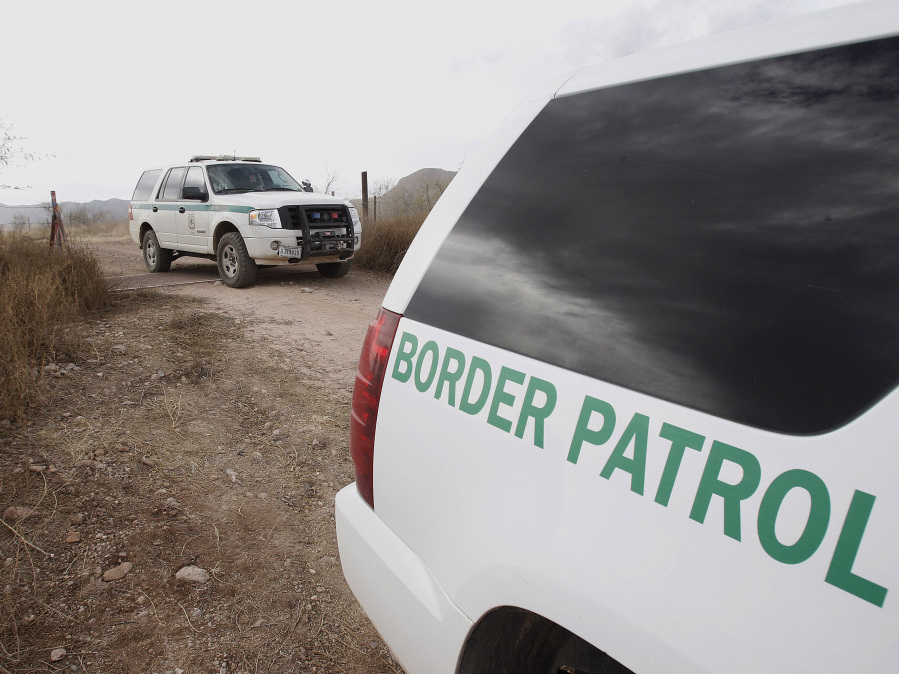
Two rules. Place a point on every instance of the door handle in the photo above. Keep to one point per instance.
(155, 209)
(181, 210)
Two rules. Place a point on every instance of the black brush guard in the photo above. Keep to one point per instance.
(316, 236)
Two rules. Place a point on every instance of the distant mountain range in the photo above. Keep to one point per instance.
(108, 210)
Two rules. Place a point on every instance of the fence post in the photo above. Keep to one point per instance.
(57, 231)
(365, 194)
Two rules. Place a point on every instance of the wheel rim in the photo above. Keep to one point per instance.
(229, 261)
(150, 251)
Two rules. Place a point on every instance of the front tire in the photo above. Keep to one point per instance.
(156, 258)
(236, 268)
(334, 269)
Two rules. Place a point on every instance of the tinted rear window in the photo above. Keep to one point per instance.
(145, 185)
(725, 239)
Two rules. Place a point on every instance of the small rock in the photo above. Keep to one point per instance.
(192, 574)
(120, 348)
(15, 513)
(79, 420)
(171, 502)
(230, 472)
(218, 283)
(73, 537)
(154, 377)
(277, 433)
(37, 469)
(57, 654)
(147, 461)
(143, 617)
(118, 572)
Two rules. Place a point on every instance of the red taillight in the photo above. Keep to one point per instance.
(366, 396)
(130, 214)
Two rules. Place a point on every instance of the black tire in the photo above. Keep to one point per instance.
(156, 258)
(334, 269)
(236, 268)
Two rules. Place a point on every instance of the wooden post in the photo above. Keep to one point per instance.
(365, 194)
(57, 231)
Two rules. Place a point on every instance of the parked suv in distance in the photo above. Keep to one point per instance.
(644, 418)
(243, 214)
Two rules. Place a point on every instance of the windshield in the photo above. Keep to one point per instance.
(236, 178)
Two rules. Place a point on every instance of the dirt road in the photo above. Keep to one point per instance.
(204, 427)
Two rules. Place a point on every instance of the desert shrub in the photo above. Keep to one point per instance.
(42, 292)
(385, 242)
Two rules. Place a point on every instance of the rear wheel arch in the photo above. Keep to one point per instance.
(516, 641)
(144, 226)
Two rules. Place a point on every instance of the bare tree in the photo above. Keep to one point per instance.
(332, 176)
(382, 186)
(80, 215)
(11, 152)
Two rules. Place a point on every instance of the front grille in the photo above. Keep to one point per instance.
(324, 230)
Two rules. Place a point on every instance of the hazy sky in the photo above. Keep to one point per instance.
(100, 91)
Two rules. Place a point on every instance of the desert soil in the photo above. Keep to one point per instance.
(203, 427)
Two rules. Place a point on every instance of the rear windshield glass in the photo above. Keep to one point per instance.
(145, 185)
(725, 239)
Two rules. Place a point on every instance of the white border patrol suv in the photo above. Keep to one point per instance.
(243, 214)
(646, 417)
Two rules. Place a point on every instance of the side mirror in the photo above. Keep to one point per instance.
(307, 185)
(194, 193)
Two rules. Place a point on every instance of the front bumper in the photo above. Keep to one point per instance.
(260, 249)
(424, 630)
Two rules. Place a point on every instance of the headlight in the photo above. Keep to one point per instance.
(353, 212)
(265, 218)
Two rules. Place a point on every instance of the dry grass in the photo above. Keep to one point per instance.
(41, 294)
(386, 241)
(118, 228)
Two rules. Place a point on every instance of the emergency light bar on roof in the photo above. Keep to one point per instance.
(222, 157)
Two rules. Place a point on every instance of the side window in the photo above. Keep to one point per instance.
(724, 239)
(195, 178)
(145, 185)
(171, 189)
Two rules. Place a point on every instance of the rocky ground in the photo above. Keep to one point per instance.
(168, 508)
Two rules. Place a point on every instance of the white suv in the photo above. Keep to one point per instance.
(243, 214)
(645, 418)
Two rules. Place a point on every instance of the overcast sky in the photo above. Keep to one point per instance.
(100, 91)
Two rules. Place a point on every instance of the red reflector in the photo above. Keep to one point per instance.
(335, 216)
(366, 397)
(130, 214)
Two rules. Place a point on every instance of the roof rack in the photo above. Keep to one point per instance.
(222, 157)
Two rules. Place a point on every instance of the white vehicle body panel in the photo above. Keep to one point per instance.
(520, 525)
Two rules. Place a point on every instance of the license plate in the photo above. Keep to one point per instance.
(290, 251)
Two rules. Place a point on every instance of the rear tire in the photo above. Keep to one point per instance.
(156, 258)
(334, 269)
(236, 268)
